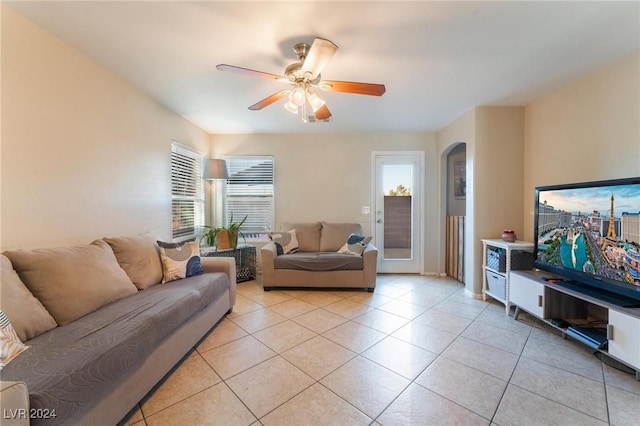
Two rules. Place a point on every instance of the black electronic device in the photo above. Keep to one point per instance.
(591, 336)
(584, 233)
(560, 323)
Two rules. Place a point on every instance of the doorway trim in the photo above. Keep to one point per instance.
(419, 244)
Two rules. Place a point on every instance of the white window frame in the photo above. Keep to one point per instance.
(256, 201)
(187, 192)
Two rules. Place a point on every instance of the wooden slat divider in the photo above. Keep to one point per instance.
(455, 247)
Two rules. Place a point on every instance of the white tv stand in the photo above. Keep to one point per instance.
(531, 292)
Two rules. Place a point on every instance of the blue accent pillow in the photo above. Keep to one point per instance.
(180, 260)
(355, 245)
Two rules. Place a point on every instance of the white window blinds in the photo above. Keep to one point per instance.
(249, 192)
(187, 192)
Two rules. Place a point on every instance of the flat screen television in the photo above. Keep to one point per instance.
(588, 234)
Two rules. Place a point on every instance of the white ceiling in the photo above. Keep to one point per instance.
(437, 59)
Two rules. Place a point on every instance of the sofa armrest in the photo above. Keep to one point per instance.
(370, 252)
(268, 253)
(226, 265)
(370, 256)
(14, 403)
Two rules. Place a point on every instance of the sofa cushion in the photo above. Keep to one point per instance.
(10, 344)
(28, 317)
(139, 256)
(286, 242)
(333, 235)
(355, 245)
(73, 367)
(319, 262)
(308, 235)
(72, 281)
(180, 260)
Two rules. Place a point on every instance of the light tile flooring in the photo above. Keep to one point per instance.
(417, 351)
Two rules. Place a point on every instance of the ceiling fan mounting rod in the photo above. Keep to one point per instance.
(301, 50)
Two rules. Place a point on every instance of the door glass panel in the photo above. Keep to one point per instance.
(397, 182)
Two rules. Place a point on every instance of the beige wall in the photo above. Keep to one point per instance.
(328, 176)
(588, 130)
(84, 155)
(498, 179)
(494, 178)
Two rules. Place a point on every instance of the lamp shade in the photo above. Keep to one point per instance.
(215, 169)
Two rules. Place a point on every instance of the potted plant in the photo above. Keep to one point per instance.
(224, 237)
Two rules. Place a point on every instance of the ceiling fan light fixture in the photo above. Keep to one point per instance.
(291, 107)
(315, 101)
(297, 96)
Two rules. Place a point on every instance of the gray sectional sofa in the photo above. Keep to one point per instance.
(318, 261)
(108, 334)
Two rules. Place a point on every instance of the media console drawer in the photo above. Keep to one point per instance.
(527, 294)
(624, 337)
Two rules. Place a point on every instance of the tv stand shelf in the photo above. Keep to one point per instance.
(559, 305)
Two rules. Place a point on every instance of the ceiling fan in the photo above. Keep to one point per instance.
(305, 76)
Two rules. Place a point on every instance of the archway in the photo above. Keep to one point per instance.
(453, 212)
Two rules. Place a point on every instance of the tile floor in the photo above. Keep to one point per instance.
(417, 351)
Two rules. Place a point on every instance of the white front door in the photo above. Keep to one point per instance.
(397, 210)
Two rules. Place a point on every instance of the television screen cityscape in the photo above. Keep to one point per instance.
(590, 232)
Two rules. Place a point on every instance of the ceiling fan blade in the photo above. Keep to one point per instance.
(319, 55)
(269, 100)
(253, 73)
(323, 113)
(352, 87)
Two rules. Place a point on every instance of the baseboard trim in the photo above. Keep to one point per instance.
(473, 295)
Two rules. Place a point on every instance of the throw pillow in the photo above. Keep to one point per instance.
(139, 256)
(286, 242)
(180, 260)
(28, 317)
(72, 281)
(355, 245)
(10, 344)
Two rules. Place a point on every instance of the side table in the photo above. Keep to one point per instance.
(245, 256)
(499, 258)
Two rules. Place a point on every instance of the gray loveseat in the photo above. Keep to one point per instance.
(129, 332)
(318, 263)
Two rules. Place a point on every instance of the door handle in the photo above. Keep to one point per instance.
(379, 221)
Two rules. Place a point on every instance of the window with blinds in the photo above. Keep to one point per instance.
(187, 192)
(249, 192)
